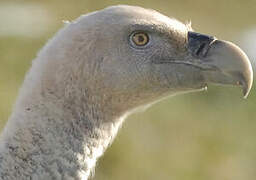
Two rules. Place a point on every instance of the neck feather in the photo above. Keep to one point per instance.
(62, 121)
(43, 140)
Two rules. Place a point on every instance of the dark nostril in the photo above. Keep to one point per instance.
(200, 49)
(198, 44)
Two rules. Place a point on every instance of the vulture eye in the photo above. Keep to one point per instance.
(140, 38)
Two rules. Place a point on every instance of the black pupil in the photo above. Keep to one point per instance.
(141, 38)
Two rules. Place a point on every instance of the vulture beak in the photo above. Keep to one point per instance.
(222, 62)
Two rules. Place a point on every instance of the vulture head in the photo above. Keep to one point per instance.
(127, 56)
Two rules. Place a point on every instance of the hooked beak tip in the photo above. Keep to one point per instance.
(246, 86)
(232, 64)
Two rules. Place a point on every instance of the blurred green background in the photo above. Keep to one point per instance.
(207, 135)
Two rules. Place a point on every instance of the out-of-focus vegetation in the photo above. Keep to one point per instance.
(208, 135)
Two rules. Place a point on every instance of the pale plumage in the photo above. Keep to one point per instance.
(91, 75)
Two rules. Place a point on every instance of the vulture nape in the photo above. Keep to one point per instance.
(96, 71)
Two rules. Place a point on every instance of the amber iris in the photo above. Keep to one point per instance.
(140, 39)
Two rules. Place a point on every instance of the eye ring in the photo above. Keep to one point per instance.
(139, 39)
